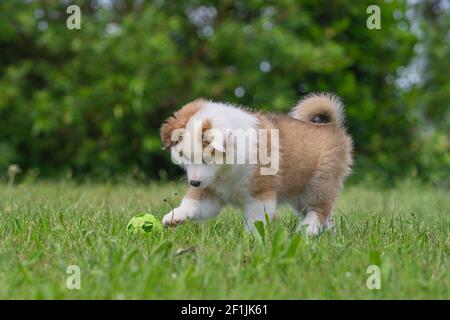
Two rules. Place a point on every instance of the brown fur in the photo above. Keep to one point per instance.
(324, 104)
(178, 121)
(314, 160)
(264, 187)
(206, 125)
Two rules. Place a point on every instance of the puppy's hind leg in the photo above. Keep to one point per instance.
(319, 198)
(311, 221)
(317, 221)
(329, 224)
(256, 209)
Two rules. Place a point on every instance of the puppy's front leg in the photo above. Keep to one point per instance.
(197, 204)
(255, 209)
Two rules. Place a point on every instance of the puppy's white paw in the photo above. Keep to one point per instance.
(174, 217)
(312, 223)
(329, 224)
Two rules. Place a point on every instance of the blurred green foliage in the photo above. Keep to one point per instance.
(91, 101)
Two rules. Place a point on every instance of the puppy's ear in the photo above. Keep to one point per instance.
(167, 129)
(206, 132)
(178, 121)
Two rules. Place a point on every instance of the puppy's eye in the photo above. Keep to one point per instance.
(180, 138)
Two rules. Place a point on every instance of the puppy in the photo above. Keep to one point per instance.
(309, 152)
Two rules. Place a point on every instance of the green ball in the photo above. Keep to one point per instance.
(144, 223)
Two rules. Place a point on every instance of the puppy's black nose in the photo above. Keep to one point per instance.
(194, 183)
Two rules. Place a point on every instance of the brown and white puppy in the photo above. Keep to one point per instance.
(309, 152)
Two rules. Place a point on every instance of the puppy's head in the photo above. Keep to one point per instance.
(194, 143)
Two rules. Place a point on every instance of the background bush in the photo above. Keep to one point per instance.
(91, 101)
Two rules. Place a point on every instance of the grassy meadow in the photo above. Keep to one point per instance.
(47, 226)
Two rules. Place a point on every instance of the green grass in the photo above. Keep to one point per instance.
(45, 227)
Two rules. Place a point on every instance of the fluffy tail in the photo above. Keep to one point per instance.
(319, 108)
